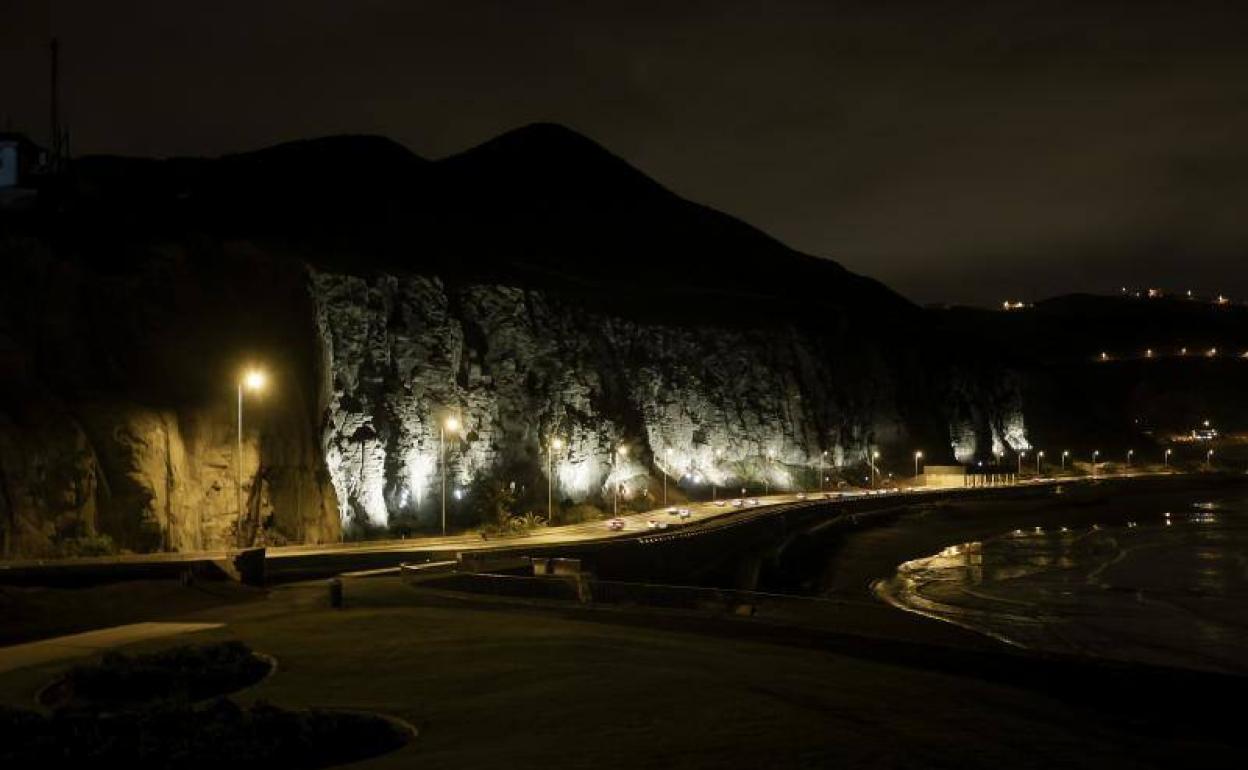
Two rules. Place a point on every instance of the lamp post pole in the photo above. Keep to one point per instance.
(615, 487)
(1039, 457)
(667, 463)
(555, 445)
(451, 424)
(1065, 454)
(875, 455)
(714, 472)
(1021, 455)
(771, 456)
(917, 456)
(1095, 454)
(238, 468)
(252, 380)
(1165, 459)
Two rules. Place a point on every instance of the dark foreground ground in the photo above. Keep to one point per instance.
(519, 685)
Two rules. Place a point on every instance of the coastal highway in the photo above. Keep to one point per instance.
(300, 561)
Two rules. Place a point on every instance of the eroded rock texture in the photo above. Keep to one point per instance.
(518, 368)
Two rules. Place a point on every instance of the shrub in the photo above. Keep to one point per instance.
(580, 513)
(189, 673)
(218, 735)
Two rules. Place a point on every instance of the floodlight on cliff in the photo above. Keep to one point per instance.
(252, 380)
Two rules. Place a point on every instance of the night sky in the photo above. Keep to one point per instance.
(959, 152)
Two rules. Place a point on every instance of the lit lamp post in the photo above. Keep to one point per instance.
(1021, 454)
(771, 454)
(615, 487)
(1130, 454)
(714, 476)
(1039, 457)
(452, 424)
(917, 456)
(1165, 458)
(254, 381)
(555, 445)
(1065, 454)
(875, 456)
(1209, 460)
(667, 454)
(823, 457)
(1095, 454)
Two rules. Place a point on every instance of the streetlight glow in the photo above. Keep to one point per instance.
(254, 380)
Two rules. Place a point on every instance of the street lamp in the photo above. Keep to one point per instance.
(452, 424)
(1165, 458)
(615, 488)
(1095, 454)
(555, 445)
(771, 456)
(253, 380)
(1209, 460)
(1021, 454)
(875, 455)
(714, 476)
(917, 456)
(1130, 453)
(1065, 454)
(1039, 457)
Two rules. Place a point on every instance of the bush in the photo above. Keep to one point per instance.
(91, 544)
(218, 735)
(189, 673)
(579, 514)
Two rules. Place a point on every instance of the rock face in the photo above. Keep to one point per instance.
(535, 288)
(627, 400)
(118, 423)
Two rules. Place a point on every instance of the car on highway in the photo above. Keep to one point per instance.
(685, 513)
(673, 510)
(652, 524)
(615, 525)
(720, 503)
(801, 495)
(738, 503)
(753, 501)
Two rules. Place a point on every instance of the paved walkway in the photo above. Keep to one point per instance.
(90, 643)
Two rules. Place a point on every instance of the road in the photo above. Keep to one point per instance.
(309, 560)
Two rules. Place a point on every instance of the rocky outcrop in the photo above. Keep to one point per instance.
(628, 400)
(117, 417)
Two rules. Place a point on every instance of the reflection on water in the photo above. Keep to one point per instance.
(1168, 589)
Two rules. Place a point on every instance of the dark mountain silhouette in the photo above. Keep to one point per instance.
(540, 205)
